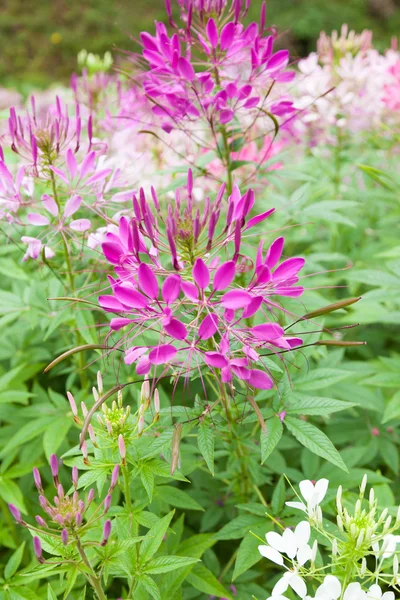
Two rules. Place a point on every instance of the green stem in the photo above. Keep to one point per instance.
(127, 489)
(92, 578)
(229, 183)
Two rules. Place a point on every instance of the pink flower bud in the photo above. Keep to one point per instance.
(107, 503)
(60, 491)
(122, 448)
(37, 546)
(72, 404)
(37, 479)
(43, 501)
(91, 495)
(114, 477)
(15, 513)
(78, 519)
(54, 467)
(41, 522)
(106, 532)
(59, 519)
(75, 477)
(156, 401)
(64, 537)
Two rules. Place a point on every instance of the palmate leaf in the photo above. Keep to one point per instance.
(315, 440)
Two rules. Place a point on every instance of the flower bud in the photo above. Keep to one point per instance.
(99, 382)
(60, 491)
(141, 424)
(314, 551)
(75, 477)
(91, 495)
(395, 567)
(59, 519)
(54, 468)
(92, 435)
(360, 539)
(119, 398)
(398, 516)
(95, 394)
(78, 519)
(157, 403)
(106, 532)
(363, 484)
(334, 548)
(84, 409)
(371, 496)
(339, 522)
(363, 567)
(43, 501)
(37, 546)
(145, 392)
(107, 503)
(37, 479)
(84, 452)
(339, 498)
(72, 404)
(64, 537)
(122, 448)
(41, 522)
(15, 513)
(114, 477)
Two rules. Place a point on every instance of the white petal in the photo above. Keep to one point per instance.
(302, 533)
(290, 542)
(271, 554)
(281, 586)
(375, 592)
(276, 541)
(304, 554)
(388, 596)
(306, 489)
(354, 592)
(298, 505)
(333, 585)
(298, 585)
(321, 487)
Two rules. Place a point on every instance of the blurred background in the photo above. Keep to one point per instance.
(39, 41)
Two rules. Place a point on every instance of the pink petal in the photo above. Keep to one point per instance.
(253, 307)
(227, 35)
(201, 274)
(87, 164)
(143, 366)
(80, 225)
(112, 252)
(289, 292)
(288, 268)
(110, 303)
(99, 176)
(130, 297)
(215, 359)
(38, 220)
(263, 275)
(235, 299)
(278, 61)
(259, 218)
(147, 281)
(241, 372)
(226, 115)
(71, 163)
(267, 331)
(132, 354)
(171, 288)
(72, 206)
(119, 322)
(274, 252)
(60, 174)
(50, 205)
(208, 327)
(185, 69)
(260, 380)
(176, 329)
(224, 275)
(190, 290)
(212, 33)
(162, 354)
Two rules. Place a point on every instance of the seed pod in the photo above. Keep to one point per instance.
(176, 440)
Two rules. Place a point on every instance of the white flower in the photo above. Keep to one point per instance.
(290, 579)
(292, 543)
(331, 589)
(313, 495)
(389, 543)
(375, 593)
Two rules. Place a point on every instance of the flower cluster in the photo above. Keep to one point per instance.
(68, 512)
(360, 554)
(200, 310)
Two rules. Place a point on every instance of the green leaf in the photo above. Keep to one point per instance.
(154, 538)
(302, 404)
(164, 564)
(248, 554)
(50, 593)
(320, 378)
(270, 438)
(238, 527)
(177, 497)
(14, 561)
(203, 580)
(205, 442)
(27, 432)
(11, 493)
(150, 586)
(55, 434)
(392, 410)
(315, 440)
(147, 478)
(390, 454)
(278, 496)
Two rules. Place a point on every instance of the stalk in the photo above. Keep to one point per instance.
(94, 581)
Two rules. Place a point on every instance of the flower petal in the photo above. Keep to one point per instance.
(72, 205)
(267, 331)
(147, 281)
(38, 220)
(215, 359)
(130, 297)
(260, 380)
(201, 274)
(271, 554)
(235, 299)
(302, 533)
(171, 288)
(224, 276)
(80, 225)
(208, 327)
(176, 329)
(162, 354)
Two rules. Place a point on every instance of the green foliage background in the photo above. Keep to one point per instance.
(40, 40)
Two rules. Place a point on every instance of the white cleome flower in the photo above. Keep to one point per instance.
(375, 593)
(313, 495)
(331, 589)
(388, 548)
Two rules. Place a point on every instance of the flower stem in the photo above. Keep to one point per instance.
(94, 581)
(127, 489)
